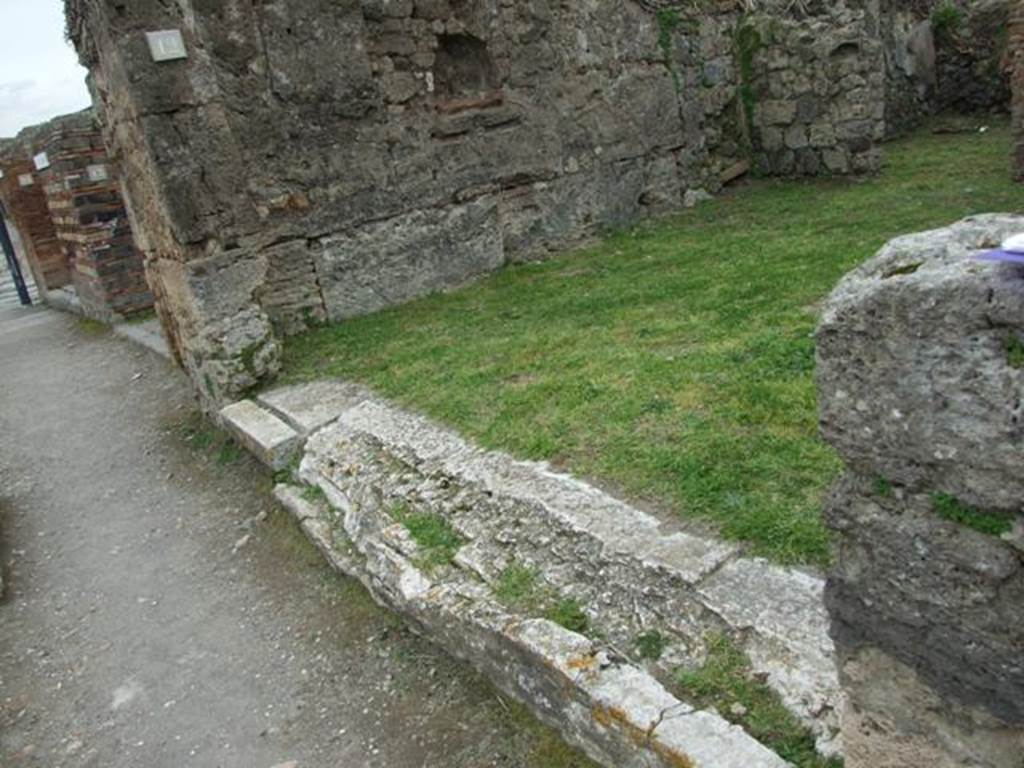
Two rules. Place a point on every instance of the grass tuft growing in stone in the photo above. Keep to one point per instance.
(568, 612)
(673, 361)
(1015, 353)
(650, 645)
(434, 536)
(883, 487)
(727, 683)
(517, 587)
(955, 510)
(313, 494)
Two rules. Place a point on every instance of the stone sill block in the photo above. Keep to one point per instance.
(263, 434)
(617, 561)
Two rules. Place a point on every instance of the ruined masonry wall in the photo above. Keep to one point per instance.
(1016, 63)
(22, 194)
(91, 223)
(318, 160)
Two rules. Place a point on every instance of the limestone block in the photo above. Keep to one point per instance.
(917, 382)
(307, 407)
(393, 261)
(266, 436)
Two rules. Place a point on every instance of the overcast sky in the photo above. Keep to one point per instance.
(40, 76)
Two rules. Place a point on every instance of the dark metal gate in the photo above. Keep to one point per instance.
(12, 261)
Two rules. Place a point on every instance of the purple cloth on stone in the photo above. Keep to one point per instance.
(1000, 255)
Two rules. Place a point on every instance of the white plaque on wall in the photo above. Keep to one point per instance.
(42, 161)
(166, 45)
(97, 173)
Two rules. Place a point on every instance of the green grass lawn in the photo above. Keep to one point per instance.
(673, 362)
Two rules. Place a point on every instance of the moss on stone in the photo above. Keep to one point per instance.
(437, 540)
(650, 645)
(727, 682)
(951, 508)
(1015, 353)
(747, 41)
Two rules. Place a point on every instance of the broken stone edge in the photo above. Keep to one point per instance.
(615, 712)
(364, 453)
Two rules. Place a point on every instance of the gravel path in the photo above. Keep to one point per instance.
(159, 611)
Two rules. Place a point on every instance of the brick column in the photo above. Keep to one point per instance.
(89, 216)
(21, 189)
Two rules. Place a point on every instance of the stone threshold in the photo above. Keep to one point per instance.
(368, 459)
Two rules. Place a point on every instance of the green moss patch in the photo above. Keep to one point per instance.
(955, 510)
(435, 537)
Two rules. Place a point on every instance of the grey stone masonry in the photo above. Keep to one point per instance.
(921, 377)
(629, 572)
(321, 159)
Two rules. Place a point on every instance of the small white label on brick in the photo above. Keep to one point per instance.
(166, 45)
(26, 180)
(42, 161)
(97, 173)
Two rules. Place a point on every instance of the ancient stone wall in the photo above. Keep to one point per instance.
(970, 60)
(921, 370)
(944, 56)
(1015, 63)
(313, 160)
(82, 193)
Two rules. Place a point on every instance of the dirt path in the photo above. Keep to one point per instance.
(160, 612)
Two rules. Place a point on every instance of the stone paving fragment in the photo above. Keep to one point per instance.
(266, 436)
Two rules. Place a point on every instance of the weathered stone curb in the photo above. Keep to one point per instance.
(368, 456)
(616, 712)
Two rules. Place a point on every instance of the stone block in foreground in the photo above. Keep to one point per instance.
(266, 436)
(920, 385)
(917, 375)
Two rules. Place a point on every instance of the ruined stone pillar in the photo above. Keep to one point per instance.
(921, 377)
(1015, 53)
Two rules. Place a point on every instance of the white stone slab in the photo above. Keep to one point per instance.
(266, 436)
(308, 407)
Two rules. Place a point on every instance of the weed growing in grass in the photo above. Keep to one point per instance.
(650, 645)
(953, 509)
(727, 683)
(434, 536)
(91, 327)
(228, 453)
(676, 360)
(198, 432)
